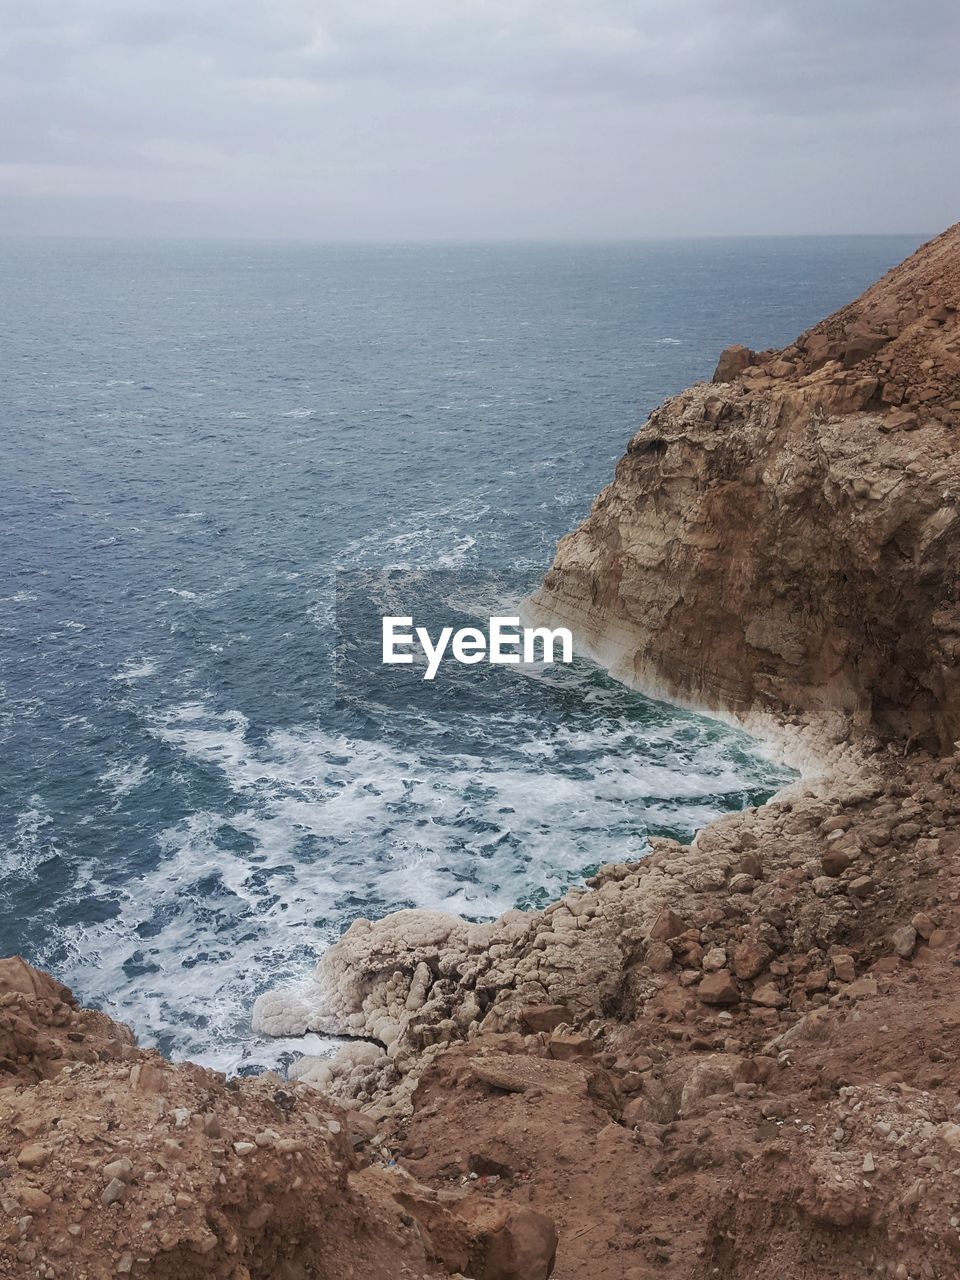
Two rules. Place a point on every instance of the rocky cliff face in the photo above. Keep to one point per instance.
(785, 540)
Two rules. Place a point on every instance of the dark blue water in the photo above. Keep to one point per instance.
(192, 438)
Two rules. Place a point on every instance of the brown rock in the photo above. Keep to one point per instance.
(843, 966)
(666, 926)
(112, 1192)
(769, 996)
(733, 360)
(835, 861)
(34, 1200)
(860, 344)
(923, 924)
(542, 1017)
(862, 887)
(718, 988)
(517, 1244)
(904, 940)
(816, 980)
(741, 883)
(750, 958)
(567, 1047)
(33, 1156)
(750, 865)
(861, 988)
(658, 956)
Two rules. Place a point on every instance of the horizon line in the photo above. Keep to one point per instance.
(132, 237)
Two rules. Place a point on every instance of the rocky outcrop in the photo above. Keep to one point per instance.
(116, 1163)
(783, 542)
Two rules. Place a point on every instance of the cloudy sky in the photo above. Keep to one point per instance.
(466, 119)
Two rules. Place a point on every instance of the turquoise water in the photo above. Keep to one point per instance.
(193, 438)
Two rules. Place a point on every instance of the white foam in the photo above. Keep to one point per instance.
(33, 841)
(323, 826)
(137, 669)
(124, 778)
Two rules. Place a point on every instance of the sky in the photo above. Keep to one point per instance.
(478, 119)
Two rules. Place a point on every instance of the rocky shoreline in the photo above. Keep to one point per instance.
(731, 1059)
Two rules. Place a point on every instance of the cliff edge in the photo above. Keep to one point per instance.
(783, 542)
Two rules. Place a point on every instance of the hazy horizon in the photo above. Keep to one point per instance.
(214, 237)
(477, 121)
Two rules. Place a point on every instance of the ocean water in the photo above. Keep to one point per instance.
(194, 438)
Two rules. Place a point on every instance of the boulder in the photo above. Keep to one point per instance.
(733, 360)
(718, 988)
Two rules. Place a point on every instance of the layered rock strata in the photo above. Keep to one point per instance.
(782, 542)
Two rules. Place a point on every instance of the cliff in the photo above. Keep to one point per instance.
(783, 542)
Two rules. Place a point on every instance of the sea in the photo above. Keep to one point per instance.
(198, 442)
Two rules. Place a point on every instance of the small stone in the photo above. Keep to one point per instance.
(904, 940)
(112, 1192)
(658, 956)
(244, 1148)
(742, 883)
(206, 1241)
(816, 980)
(750, 959)
(750, 865)
(913, 1197)
(769, 997)
(839, 823)
(34, 1200)
(33, 1156)
(824, 886)
(212, 1126)
(667, 925)
(122, 1169)
(862, 887)
(124, 1264)
(543, 1017)
(718, 988)
(715, 958)
(844, 967)
(565, 1048)
(923, 924)
(938, 938)
(869, 1164)
(835, 861)
(333, 1126)
(861, 988)
(733, 360)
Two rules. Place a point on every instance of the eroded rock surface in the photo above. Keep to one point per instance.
(784, 540)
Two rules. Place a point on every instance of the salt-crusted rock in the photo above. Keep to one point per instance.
(378, 975)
